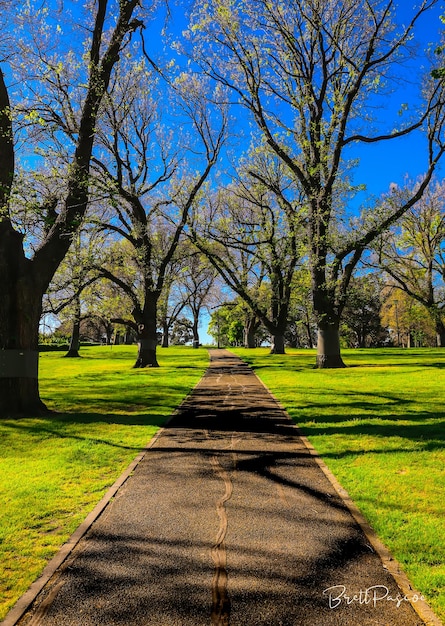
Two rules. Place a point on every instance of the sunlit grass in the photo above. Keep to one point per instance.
(380, 427)
(55, 469)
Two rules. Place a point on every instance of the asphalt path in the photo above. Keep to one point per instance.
(227, 519)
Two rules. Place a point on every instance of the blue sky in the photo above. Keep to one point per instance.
(391, 161)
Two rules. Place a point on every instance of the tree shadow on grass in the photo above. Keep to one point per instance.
(430, 437)
(56, 426)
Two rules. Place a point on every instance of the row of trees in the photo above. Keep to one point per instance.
(106, 147)
(377, 314)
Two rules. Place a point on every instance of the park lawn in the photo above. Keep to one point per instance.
(379, 425)
(55, 469)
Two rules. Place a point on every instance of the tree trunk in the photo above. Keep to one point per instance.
(440, 333)
(195, 331)
(20, 310)
(328, 346)
(147, 332)
(165, 342)
(128, 337)
(250, 328)
(278, 344)
(73, 350)
(249, 338)
(309, 334)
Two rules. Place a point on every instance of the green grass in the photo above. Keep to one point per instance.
(55, 469)
(380, 427)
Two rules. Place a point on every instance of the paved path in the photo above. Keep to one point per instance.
(227, 520)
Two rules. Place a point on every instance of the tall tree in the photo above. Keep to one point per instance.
(67, 293)
(23, 279)
(406, 319)
(301, 322)
(197, 280)
(251, 232)
(361, 326)
(153, 179)
(310, 73)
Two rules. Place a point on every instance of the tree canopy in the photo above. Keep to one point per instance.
(228, 148)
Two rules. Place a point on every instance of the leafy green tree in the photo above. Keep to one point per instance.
(361, 325)
(310, 74)
(235, 333)
(301, 320)
(152, 179)
(233, 323)
(24, 279)
(251, 233)
(408, 323)
(219, 325)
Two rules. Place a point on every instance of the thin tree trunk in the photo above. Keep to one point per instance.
(165, 341)
(309, 334)
(73, 350)
(195, 331)
(440, 333)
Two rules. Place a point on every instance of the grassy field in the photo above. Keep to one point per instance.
(380, 427)
(55, 469)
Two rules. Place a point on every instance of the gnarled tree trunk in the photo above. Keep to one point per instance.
(278, 344)
(20, 310)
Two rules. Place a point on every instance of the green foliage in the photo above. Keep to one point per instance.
(235, 333)
(66, 461)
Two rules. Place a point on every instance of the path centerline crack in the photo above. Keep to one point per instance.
(220, 615)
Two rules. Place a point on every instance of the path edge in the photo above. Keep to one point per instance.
(421, 607)
(26, 600)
